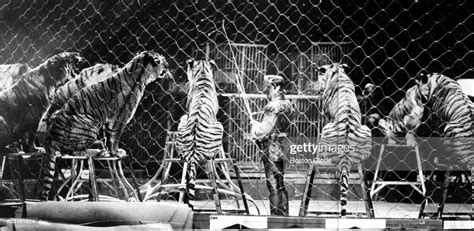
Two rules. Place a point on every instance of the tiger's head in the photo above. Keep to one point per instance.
(424, 87)
(155, 65)
(200, 70)
(62, 67)
(326, 74)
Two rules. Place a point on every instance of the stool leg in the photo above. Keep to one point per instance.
(125, 181)
(164, 178)
(92, 180)
(119, 178)
(447, 175)
(212, 177)
(307, 190)
(241, 187)
(113, 177)
(73, 174)
(183, 182)
(369, 207)
(75, 178)
(137, 187)
(377, 168)
(20, 179)
(2, 167)
(421, 176)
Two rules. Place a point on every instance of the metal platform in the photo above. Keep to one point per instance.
(215, 222)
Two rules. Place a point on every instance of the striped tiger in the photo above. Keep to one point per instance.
(10, 74)
(22, 105)
(444, 97)
(404, 118)
(89, 76)
(444, 100)
(340, 107)
(108, 105)
(199, 136)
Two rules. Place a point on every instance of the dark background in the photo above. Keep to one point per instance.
(391, 41)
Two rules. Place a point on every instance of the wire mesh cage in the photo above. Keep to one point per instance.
(385, 43)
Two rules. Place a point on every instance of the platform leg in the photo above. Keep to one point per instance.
(369, 207)
(164, 178)
(211, 172)
(377, 169)
(186, 167)
(73, 175)
(75, 179)
(21, 183)
(119, 175)
(135, 184)
(307, 190)
(125, 182)
(447, 175)
(241, 187)
(92, 180)
(113, 177)
(2, 167)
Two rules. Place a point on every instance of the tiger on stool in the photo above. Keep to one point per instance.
(106, 106)
(87, 77)
(22, 105)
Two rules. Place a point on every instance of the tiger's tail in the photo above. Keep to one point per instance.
(344, 187)
(191, 184)
(49, 166)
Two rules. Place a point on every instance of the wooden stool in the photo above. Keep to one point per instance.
(115, 171)
(309, 185)
(19, 157)
(444, 188)
(377, 184)
(211, 169)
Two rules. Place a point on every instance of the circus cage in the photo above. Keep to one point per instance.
(388, 44)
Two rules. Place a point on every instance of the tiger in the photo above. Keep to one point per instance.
(22, 104)
(10, 74)
(343, 126)
(451, 113)
(199, 136)
(86, 77)
(106, 106)
(444, 98)
(404, 118)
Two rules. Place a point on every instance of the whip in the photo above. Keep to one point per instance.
(238, 80)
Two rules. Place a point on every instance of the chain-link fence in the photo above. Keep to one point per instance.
(386, 43)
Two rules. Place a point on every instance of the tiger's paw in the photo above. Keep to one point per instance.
(92, 152)
(411, 139)
(391, 141)
(120, 153)
(40, 150)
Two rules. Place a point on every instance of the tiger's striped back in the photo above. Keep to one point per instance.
(87, 77)
(340, 106)
(199, 133)
(10, 74)
(106, 106)
(199, 136)
(343, 113)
